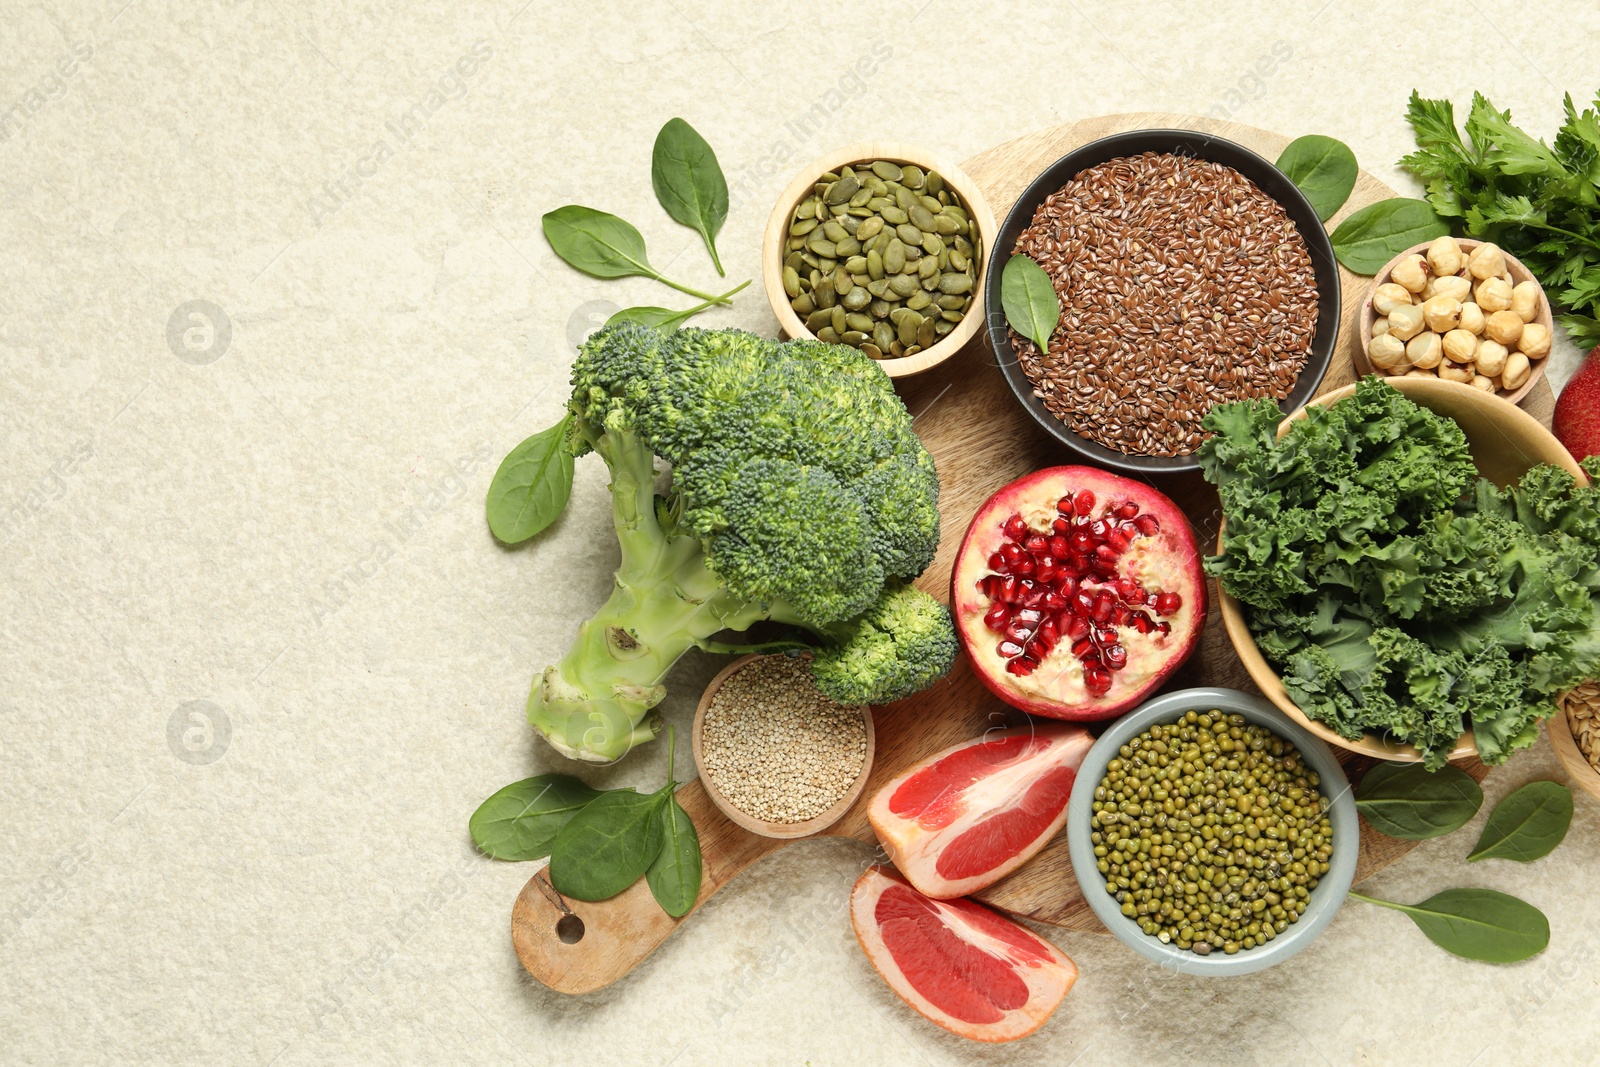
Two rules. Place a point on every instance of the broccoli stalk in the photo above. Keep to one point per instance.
(782, 508)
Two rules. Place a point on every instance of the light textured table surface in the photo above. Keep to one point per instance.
(285, 521)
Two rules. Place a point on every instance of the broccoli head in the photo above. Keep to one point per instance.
(798, 494)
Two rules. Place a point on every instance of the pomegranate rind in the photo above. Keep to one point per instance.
(952, 958)
(1170, 560)
(1002, 795)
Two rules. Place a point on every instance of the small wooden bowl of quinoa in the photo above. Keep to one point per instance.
(775, 755)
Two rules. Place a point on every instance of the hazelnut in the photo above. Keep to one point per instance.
(1493, 294)
(1486, 384)
(1491, 358)
(1444, 256)
(1420, 374)
(1452, 286)
(1411, 272)
(1471, 317)
(1388, 296)
(1405, 322)
(1503, 326)
(1441, 313)
(1385, 351)
(1517, 371)
(1425, 350)
(1380, 327)
(1460, 346)
(1450, 372)
(1525, 300)
(1486, 261)
(1535, 340)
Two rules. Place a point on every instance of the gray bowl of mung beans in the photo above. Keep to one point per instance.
(1212, 886)
(1191, 272)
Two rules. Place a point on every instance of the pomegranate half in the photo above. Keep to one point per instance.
(960, 965)
(964, 818)
(1077, 592)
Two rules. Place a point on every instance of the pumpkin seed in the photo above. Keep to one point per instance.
(955, 283)
(801, 227)
(931, 244)
(841, 191)
(879, 309)
(852, 338)
(918, 300)
(897, 350)
(928, 268)
(941, 327)
(859, 322)
(818, 319)
(791, 282)
(894, 259)
(909, 234)
(911, 176)
(804, 305)
(921, 217)
(882, 335)
(806, 210)
(825, 295)
(909, 324)
(950, 301)
(875, 266)
(821, 246)
(875, 185)
(838, 319)
(871, 349)
(934, 183)
(861, 197)
(925, 333)
(895, 216)
(847, 247)
(889, 172)
(869, 228)
(958, 260)
(828, 334)
(951, 316)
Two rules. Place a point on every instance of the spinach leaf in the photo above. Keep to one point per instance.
(1324, 169)
(607, 845)
(1029, 299)
(604, 246)
(1526, 825)
(532, 485)
(675, 875)
(1403, 800)
(521, 821)
(1377, 233)
(1479, 924)
(689, 183)
(665, 319)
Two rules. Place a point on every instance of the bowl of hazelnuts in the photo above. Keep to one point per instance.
(1458, 309)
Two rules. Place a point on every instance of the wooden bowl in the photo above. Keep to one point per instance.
(784, 830)
(774, 244)
(1562, 738)
(1505, 442)
(1519, 274)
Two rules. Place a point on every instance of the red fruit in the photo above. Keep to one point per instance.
(1135, 549)
(956, 963)
(1577, 417)
(964, 818)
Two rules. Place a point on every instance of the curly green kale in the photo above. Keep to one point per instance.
(798, 494)
(1396, 591)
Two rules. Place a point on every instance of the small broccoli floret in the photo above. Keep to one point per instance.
(902, 645)
(799, 494)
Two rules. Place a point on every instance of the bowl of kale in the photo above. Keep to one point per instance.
(1409, 567)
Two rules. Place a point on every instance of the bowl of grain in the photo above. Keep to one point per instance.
(881, 246)
(775, 755)
(1458, 309)
(1191, 272)
(1575, 735)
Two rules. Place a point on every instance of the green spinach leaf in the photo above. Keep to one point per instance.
(1479, 924)
(532, 485)
(689, 182)
(665, 319)
(675, 875)
(1377, 233)
(1029, 299)
(607, 845)
(1406, 801)
(1324, 169)
(605, 246)
(1526, 825)
(520, 822)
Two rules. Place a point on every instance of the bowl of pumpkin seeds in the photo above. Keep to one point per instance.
(881, 247)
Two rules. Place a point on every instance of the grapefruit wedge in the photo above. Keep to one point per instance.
(960, 965)
(966, 817)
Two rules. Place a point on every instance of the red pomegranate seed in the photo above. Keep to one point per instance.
(1009, 590)
(1116, 657)
(1128, 510)
(997, 562)
(1067, 587)
(1083, 603)
(1049, 633)
(1081, 543)
(1098, 529)
(1060, 526)
(1012, 553)
(1022, 665)
(1163, 628)
(1100, 611)
(995, 618)
(1009, 649)
(1105, 637)
(1036, 543)
(1097, 680)
(1060, 546)
(1083, 647)
(1148, 525)
(1015, 528)
(1083, 502)
(1118, 540)
(1167, 603)
(1031, 616)
(1023, 568)
(1064, 505)
(1055, 602)
(1142, 623)
(1077, 627)
(1106, 552)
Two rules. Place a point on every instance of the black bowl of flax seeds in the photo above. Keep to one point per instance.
(1191, 273)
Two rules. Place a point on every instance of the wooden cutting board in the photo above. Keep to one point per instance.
(981, 439)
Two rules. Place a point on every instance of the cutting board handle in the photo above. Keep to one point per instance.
(618, 933)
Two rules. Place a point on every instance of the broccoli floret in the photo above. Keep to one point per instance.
(799, 494)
